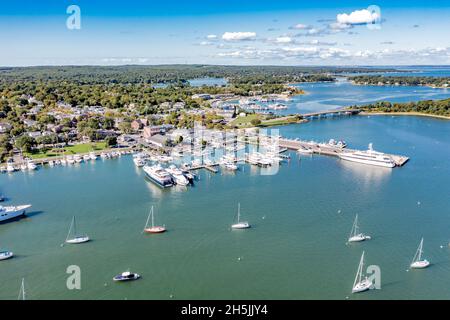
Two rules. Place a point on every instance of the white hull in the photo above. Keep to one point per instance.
(367, 161)
(6, 255)
(359, 238)
(78, 240)
(12, 212)
(362, 286)
(240, 225)
(420, 264)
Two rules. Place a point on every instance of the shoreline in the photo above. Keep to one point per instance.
(417, 114)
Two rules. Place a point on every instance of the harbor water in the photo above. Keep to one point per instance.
(301, 218)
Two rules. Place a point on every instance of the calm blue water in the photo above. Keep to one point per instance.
(208, 82)
(301, 218)
(328, 96)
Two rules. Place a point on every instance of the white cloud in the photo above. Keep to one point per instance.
(211, 37)
(283, 39)
(300, 26)
(238, 36)
(358, 17)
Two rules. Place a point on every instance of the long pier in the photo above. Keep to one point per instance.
(341, 111)
(330, 150)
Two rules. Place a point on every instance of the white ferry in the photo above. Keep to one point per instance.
(370, 157)
(159, 176)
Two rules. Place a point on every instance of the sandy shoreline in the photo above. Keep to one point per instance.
(364, 113)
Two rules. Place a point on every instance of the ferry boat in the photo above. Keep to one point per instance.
(370, 157)
(12, 212)
(159, 176)
(126, 276)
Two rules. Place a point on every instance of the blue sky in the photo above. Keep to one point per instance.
(226, 32)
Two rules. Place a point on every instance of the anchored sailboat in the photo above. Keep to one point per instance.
(153, 228)
(418, 262)
(355, 235)
(76, 239)
(239, 224)
(360, 284)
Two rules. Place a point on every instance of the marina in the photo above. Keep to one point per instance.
(287, 223)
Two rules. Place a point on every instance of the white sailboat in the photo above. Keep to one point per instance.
(153, 228)
(355, 235)
(361, 284)
(22, 291)
(418, 262)
(76, 238)
(240, 224)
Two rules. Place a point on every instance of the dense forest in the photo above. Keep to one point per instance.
(431, 107)
(166, 73)
(441, 82)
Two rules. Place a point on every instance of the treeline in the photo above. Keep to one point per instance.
(282, 79)
(133, 74)
(440, 82)
(432, 107)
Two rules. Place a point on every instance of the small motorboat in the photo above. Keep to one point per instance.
(126, 276)
(6, 255)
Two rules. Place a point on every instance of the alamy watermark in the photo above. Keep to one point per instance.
(73, 22)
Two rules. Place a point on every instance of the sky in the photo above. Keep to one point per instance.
(228, 32)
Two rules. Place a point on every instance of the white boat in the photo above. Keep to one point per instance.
(51, 163)
(139, 162)
(304, 150)
(10, 168)
(104, 155)
(158, 175)
(70, 160)
(92, 156)
(361, 284)
(6, 255)
(86, 157)
(153, 228)
(230, 166)
(77, 158)
(355, 235)
(23, 167)
(12, 212)
(369, 157)
(126, 276)
(178, 176)
(31, 165)
(240, 224)
(75, 239)
(418, 262)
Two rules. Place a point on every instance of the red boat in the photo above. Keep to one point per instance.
(153, 228)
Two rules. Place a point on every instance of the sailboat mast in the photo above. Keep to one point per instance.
(74, 227)
(420, 250)
(239, 212)
(153, 220)
(359, 272)
(70, 228)
(22, 290)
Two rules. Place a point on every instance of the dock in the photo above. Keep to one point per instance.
(335, 151)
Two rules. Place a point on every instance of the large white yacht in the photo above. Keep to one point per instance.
(158, 175)
(370, 157)
(177, 175)
(11, 212)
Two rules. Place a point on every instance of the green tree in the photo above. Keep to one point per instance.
(25, 143)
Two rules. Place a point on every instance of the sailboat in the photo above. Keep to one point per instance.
(355, 235)
(22, 291)
(418, 262)
(153, 228)
(239, 224)
(360, 284)
(77, 238)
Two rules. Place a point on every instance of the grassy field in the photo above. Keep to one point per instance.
(244, 121)
(79, 148)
